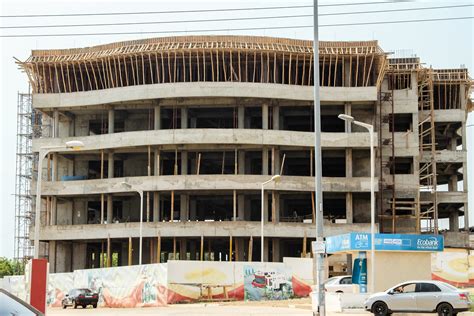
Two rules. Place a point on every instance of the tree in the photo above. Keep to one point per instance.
(10, 267)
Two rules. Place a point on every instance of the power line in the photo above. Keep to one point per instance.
(236, 29)
(233, 19)
(202, 10)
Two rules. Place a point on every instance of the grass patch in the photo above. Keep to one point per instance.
(472, 300)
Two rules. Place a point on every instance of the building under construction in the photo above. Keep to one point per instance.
(198, 123)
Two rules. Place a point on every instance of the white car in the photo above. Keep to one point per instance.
(419, 297)
(339, 284)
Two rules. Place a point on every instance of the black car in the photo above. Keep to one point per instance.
(80, 297)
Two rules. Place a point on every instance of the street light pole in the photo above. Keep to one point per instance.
(370, 128)
(43, 152)
(140, 243)
(275, 178)
(318, 273)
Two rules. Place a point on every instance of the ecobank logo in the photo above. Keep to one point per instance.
(428, 243)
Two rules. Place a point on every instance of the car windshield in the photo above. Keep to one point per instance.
(331, 280)
(84, 291)
(451, 287)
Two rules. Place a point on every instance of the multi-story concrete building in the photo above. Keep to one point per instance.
(198, 123)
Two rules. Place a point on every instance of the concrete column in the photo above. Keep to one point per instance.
(184, 117)
(182, 249)
(183, 207)
(54, 210)
(240, 248)
(192, 209)
(110, 160)
(265, 161)
(453, 221)
(266, 206)
(276, 206)
(264, 116)
(157, 120)
(111, 121)
(349, 208)
(55, 169)
(276, 250)
(347, 72)
(184, 162)
(55, 123)
(192, 249)
(348, 111)
(277, 161)
(156, 159)
(241, 207)
(465, 167)
(109, 209)
(156, 206)
(348, 162)
(241, 116)
(349, 265)
(241, 161)
(52, 256)
(276, 117)
(453, 183)
(265, 249)
(79, 255)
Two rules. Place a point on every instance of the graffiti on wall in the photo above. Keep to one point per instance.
(267, 283)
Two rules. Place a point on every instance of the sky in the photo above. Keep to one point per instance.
(441, 44)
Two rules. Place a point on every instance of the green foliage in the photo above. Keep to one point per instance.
(10, 267)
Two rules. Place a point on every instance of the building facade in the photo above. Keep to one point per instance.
(198, 123)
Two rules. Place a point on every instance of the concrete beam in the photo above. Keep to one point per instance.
(201, 89)
(202, 182)
(448, 156)
(193, 229)
(193, 137)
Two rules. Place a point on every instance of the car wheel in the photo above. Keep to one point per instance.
(445, 309)
(84, 306)
(94, 305)
(64, 306)
(380, 309)
(74, 304)
(339, 292)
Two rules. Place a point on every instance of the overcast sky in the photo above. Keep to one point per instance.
(442, 44)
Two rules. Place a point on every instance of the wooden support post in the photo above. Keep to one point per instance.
(303, 253)
(172, 206)
(250, 249)
(234, 210)
(230, 248)
(174, 248)
(102, 202)
(237, 250)
(201, 253)
(130, 251)
(158, 249)
(198, 167)
(108, 252)
(101, 256)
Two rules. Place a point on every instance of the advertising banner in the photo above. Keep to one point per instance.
(384, 242)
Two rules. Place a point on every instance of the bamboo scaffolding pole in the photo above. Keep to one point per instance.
(250, 249)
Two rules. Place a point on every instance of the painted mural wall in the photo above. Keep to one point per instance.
(455, 266)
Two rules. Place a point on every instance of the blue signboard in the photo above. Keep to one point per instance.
(384, 242)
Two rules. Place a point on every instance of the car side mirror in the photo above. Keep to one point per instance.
(67, 295)
(390, 292)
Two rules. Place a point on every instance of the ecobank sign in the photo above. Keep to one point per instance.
(384, 242)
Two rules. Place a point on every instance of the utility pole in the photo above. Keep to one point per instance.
(318, 273)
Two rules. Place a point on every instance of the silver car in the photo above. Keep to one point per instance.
(419, 297)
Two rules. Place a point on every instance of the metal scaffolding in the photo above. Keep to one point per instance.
(24, 160)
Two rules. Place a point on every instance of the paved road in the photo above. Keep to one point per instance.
(185, 310)
(206, 309)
